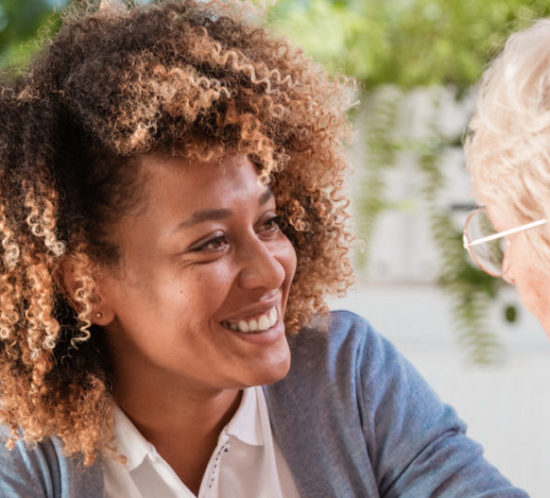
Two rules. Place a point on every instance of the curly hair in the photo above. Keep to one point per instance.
(179, 78)
(508, 144)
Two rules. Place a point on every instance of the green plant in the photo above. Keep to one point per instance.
(24, 24)
(469, 288)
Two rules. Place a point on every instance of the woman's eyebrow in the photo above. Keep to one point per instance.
(216, 214)
(204, 215)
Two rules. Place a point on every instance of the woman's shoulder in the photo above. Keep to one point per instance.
(342, 340)
(340, 392)
(342, 358)
(27, 468)
(372, 423)
(338, 357)
(42, 469)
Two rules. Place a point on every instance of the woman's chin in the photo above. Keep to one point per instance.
(271, 371)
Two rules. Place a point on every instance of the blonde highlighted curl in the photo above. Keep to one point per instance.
(185, 78)
(508, 143)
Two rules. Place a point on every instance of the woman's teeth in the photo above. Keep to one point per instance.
(259, 324)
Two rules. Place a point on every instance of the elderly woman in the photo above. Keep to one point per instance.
(508, 155)
(171, 218)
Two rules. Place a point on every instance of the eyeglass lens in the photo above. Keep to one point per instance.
(488, 255)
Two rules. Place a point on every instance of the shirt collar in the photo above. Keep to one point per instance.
(245, 425)
(130, 441)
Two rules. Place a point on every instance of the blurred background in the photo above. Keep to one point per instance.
(417, 62)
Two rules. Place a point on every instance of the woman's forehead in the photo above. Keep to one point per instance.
(199, 181)
(149, 162)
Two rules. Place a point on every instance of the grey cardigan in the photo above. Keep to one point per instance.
(353, 419)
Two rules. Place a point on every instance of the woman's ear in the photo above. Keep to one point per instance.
(82, 290)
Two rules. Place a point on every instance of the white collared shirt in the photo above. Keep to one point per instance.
(247, 461)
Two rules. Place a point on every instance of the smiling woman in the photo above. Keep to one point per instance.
(171, 219)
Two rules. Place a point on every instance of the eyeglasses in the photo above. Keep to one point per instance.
(487, 246)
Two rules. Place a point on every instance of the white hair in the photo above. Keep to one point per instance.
(508, 143)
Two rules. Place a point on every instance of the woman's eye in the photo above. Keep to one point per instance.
(272, 225)
(212, 245)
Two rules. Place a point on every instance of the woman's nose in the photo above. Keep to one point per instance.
(261, 267)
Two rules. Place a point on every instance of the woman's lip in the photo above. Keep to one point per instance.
(255, 313)
(264, 338)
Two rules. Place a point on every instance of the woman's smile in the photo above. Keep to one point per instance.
(261, 329)
(260, 323)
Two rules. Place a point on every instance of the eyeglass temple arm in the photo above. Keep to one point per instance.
(499, 235)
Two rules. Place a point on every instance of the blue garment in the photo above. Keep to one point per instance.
(353, 419)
